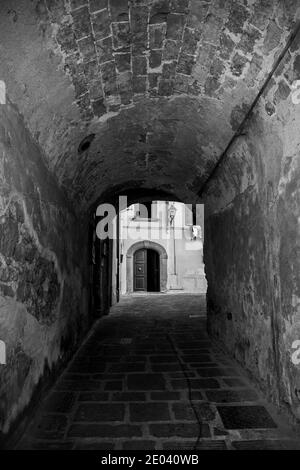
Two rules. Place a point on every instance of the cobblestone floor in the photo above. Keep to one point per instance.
(148, 377)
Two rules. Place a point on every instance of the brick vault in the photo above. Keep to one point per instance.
(194, 99)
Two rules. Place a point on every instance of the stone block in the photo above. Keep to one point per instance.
(108, 71)
(121, 36)
(237, 17)
(147, 412)
(179, 6)
(139, 84)
(87, 48)
(227, 46)
(139, 21)
(128, 396)
(212, 27)
(165, 87)
(66, 38)
(216, 372)
(183, 429)
(155, 59)
(231, 396)
(78, 4)
(195, 384)
(238, 64)
(196, 358)
(157, 35)
(93, 396)
(282, 92)
(273, 37)
(262, 13)
(181, 83)
(234, 382)
(153, 80)
(139, 65)
(166, 367)
(184, 411)
(217, 68)
(56, 9)
(124, 81)
(99, 412)
(171, 49)
(6, 290)
(119, 10)
(81, 22)
(198, 13)
(101, 24)
(123, 61)
(168, 70)
(245, 417)
(104, 48)
(97, 5)
(104, 430)
(185, 64)
(191, 38)
(91, 70)
(248, 39)
(128, 367)
(113, 385)
(165, 396)
(175, 25)
(146, 382)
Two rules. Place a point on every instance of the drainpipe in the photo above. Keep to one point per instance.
(118, 256)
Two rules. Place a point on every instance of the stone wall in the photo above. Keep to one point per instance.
(252, 240)
(43, 298)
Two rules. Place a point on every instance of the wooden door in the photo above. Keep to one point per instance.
(153, 284)
(140, 270)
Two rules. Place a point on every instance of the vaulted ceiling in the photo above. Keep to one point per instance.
(161, 85)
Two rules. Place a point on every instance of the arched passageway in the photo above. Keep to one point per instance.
(108, 98)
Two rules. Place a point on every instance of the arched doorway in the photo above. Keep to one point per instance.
(146, 270)
(152, 258)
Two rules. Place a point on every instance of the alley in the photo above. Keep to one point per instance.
(148, 377)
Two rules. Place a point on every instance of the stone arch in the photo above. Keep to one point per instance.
(163, 263)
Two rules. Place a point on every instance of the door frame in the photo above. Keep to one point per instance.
(163, 263)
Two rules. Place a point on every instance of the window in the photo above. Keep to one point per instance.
(145, 210)
(188, 214)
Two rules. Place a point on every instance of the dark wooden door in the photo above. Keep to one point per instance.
(152, 271)
(140, 270)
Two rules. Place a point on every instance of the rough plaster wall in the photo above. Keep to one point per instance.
(252, 241)
(43, 310)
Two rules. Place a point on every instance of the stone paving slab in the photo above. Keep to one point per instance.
(150, 378)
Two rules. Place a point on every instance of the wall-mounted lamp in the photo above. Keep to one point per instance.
(196, 232)
(172, 212)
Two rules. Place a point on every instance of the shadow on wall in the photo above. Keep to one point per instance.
(43, 288)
